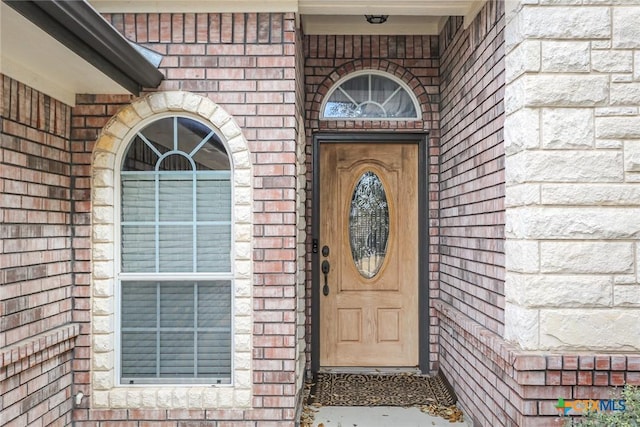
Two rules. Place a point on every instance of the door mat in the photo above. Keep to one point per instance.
(344, 389)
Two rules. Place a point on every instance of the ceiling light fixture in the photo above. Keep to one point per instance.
(376, 19)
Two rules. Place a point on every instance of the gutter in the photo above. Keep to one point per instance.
(83, 30)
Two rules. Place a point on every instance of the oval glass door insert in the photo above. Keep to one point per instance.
(369, 224)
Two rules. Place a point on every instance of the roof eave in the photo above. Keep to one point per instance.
(84, 31)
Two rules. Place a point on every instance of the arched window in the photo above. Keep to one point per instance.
(370, 96)
(175, 260)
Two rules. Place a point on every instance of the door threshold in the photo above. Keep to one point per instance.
(412, 370)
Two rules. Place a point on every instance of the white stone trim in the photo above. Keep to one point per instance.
(107, 155)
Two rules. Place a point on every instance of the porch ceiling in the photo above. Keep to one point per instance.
(416, 17)
(405, 16)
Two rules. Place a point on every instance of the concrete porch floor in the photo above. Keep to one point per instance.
(379, 416)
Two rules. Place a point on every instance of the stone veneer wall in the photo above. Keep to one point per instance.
(412, 59)
(573, 175)
(571, 294)
(37, 336)
(238, 71)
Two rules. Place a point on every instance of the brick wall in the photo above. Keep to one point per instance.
(472, 168)
(36, 333)
(499, 384)
(412, 59)
(472, 214)
(245, 63)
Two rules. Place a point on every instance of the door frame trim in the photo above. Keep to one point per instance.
(420, 138)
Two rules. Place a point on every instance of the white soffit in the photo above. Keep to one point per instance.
(31, 56)
(357, 24)
(419, 17)
(193, 6)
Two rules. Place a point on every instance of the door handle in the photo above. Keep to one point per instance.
(325, 270)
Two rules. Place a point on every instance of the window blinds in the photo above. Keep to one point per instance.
(176, 222)
(176, 330)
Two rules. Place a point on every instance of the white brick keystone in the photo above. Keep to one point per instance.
(175, 100)
(143, 108)
(158, 102)
(116, 128)
(129, 116)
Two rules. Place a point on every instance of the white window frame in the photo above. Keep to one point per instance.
(162, 277)
(337, 85)
(105, 390)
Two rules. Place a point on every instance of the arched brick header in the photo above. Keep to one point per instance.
(383, 65)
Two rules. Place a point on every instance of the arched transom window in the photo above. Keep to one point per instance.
(370, 96)
(175, 265)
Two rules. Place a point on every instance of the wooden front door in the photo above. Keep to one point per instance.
(368, 251)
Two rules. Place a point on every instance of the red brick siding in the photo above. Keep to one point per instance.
(412, 59)
(35, 257)
(472, 168)
(246, 64)
(472, 216)
(90, 114)
(500, 385)
(35, 380)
